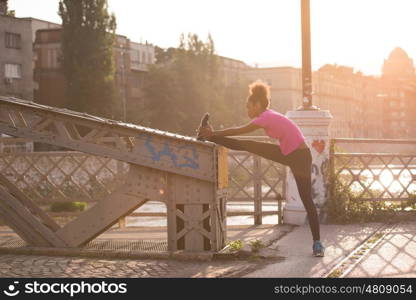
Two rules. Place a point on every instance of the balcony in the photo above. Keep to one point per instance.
(137, 66)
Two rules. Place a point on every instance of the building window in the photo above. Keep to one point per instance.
(12, 40)
(52, 59)
(12, 71)
(135, 59)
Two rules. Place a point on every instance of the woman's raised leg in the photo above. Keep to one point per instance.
(263, 149)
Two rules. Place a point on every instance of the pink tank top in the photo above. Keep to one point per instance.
(280, 127)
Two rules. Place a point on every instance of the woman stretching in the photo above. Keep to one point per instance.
(292, 152)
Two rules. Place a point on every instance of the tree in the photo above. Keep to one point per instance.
(88, 34)
(163, 56)
(187, 82)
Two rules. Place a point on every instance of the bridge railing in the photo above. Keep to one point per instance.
(256, 185)
(375, 169)
(253, 179)
(48, 177)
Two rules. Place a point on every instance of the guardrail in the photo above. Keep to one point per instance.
(375, 169)
(60, 176)
(48, 177)
(256, 180)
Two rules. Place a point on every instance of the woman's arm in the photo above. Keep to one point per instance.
(236, 130)
(208, 132)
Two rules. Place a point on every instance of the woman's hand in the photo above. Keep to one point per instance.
(206, 132)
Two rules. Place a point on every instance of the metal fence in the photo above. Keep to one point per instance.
(48, 177)
(371, 169)
(257, 185)
(255, 180)
(374, 169)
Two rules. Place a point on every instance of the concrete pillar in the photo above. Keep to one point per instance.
(315, 128)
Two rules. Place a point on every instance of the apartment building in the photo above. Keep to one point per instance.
(16, 53)
(16, 62)
(131, 64)
(398, 96)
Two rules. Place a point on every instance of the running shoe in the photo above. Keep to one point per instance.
(204, 123)
(318, 249)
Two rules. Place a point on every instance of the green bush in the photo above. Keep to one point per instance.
(343, 206)
(256, 245)
(68, 206)
(235, 245)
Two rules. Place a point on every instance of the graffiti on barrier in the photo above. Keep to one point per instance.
(317, 171)
(318, 145)
(179, 158)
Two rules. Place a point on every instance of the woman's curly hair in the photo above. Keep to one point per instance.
(259, 92)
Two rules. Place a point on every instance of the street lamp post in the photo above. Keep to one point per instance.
(123, 84)
(306, 58)
(314, 124)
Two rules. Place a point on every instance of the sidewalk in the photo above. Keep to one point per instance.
(393, 255)
(296, 247)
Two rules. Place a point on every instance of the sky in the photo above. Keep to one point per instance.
(355, 33)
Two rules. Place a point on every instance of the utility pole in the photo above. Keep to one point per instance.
(123, 83)
(306, 58)
(314, 123)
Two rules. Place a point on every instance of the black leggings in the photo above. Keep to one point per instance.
(299, 161)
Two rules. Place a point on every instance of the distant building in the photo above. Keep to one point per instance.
(398, 116)
(131, 65)
(16, 61)
(352, 100)
(398, 95)
(233, 70)
(16, 53)
(50, 80)
(398, 66)
(16, 76)
(132, 62)
(141, 55)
